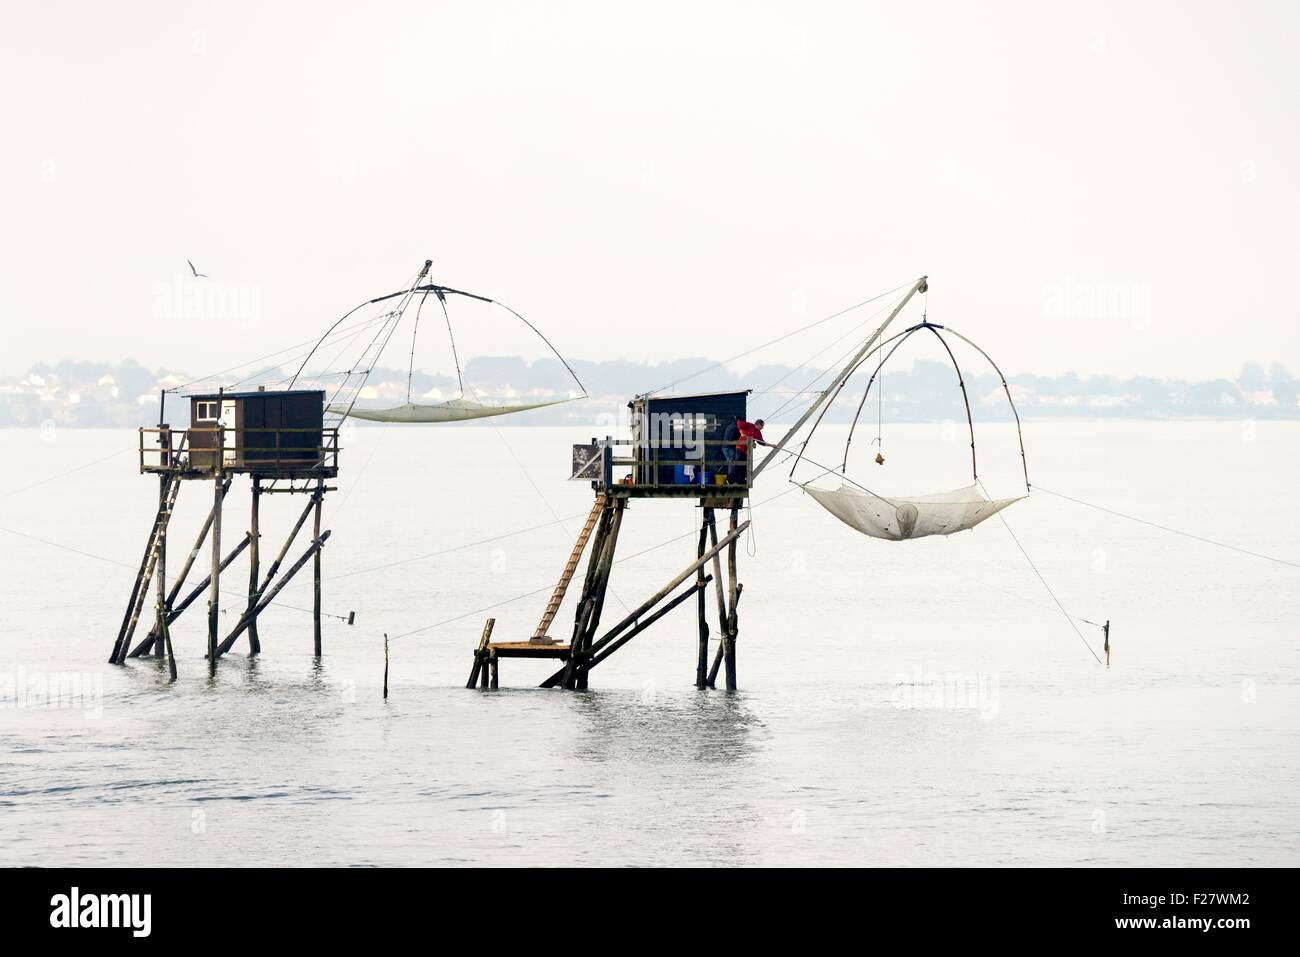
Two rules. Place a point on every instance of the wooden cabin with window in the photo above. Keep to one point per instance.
(262, 432)
(680, 446)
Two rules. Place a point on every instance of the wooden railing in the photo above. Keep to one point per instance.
(650, 459)
(177, 450)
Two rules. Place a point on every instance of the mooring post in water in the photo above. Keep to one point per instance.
(315, 526)
(385, 665)
(254, 536)
(1105, 634)
(214, 580)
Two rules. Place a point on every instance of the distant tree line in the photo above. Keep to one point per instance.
(92, 394)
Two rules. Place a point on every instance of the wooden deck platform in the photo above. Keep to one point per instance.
(208, 475)
(528, 649)
(716, 496)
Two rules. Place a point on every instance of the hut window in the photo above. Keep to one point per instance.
(207, 411)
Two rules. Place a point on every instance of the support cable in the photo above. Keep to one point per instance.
(1068, 617)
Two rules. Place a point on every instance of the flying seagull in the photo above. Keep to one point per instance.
(197, 274)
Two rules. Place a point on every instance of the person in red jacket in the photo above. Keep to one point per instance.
(748, 431)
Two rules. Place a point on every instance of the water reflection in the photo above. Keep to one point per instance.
(706, 727)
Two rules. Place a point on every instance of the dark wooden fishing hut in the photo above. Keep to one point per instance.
(279, 440)
(678, 448)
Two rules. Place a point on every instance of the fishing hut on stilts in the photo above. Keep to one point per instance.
(286, 440)
(677, 450)
(279, 440)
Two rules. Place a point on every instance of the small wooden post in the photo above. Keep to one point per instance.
(492, 666)
(385, 665)
(1105, 632)
(315, 608)
(214, 580)
(254, 536)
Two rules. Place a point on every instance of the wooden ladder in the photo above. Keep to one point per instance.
(147, 564)
(557, 596)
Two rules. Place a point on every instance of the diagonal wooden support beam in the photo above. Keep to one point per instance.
(248, 616)
(717, 659)
(145, 573)
(166, 504)
(663, 592)
(653, 600)
(695, 588)
(577, 677)
(198, 590)
(152, 637)
(288, 543)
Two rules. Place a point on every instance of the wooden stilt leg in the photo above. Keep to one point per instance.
(586, 602)
(492, 662)
(702, 603)
(254, 537)
(140, 589)
(717, 664)
(578, 664)
(637, 620)
(480, 653)
(269, 597)
(718, 587)
(214, 580)
(161, 569)
(320, 496)
(729, 641)
(154, 635)
(166, 642)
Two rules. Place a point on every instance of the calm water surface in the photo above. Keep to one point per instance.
(1183, 752)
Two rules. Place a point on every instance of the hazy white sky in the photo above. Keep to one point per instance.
(1104, 187)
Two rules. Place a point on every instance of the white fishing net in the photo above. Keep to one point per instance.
(913, 516)
(453, 410)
